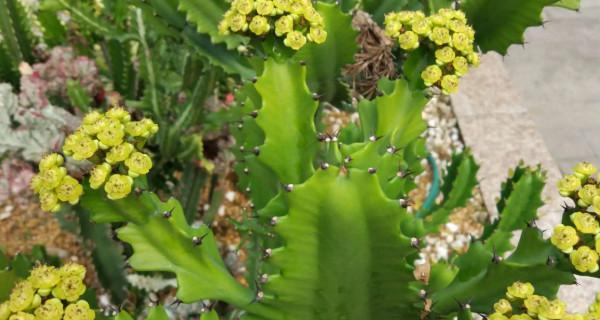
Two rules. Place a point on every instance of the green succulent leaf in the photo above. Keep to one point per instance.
(344, 256)
(568, 4)
(157, 313)
(325, 61)
(212, 315)
(286, 118)
(499, 24)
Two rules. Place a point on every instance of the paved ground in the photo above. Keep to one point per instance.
(557, 75)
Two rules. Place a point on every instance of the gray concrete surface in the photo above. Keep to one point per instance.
(557, 76)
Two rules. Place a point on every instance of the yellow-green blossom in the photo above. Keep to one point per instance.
(49, 201)
(460, 65)
(52, 177)
(313, 16)
(444, 55)
(584, 259)
(449, 83)
(22, 316)
(50, 161)
(243, 6)
(36, 183)
(118, 186)
(586, 195)
(440, 36)
(4, 311)
(431, 75)
(92, 123)
(119, 114)
(585, 222)
(584, 169)
(408, 40)
(295, 40)
(138, 163)
(72, 270)
(111, 135)
(564, 238)
(44, 277)
(568, 185)
(21, 296)
(461, 42)
(422, 27)
(69, 288)
(552, 310)
(119, 153)
(473, 59)
(497, 316)
(259, 25)
(502, 306)
(69, 190)
(533, 304)
(52, 309)
(79, 311)
(84, 148)
(265, 7)
(523, 316)
(520, 290)
(284, 25)
(317, 35)
(99, 175)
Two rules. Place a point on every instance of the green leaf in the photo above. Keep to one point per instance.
(77, 96)
(212, 315)
(325, 61)
(123, 315)
(344, 256)
(16, 31)
(8, 278)
(166, 244)
(482, 281)
(157, 313)
(499, 24)
(206, 15)
(286, 117)
(568, 4)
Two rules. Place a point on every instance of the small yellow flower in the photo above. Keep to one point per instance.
(265, 7)
(444, 55)
(568, 185)
(4, 311)
(99, 175)
(405, 16)
(473, 59)
(533, 304)
(317, 35)
(502, 306)
(70, 142)
(243, 6)
(584, 169)
(578, 317)
(313, 16)
(21, 296)
(72, 270)
(497, 316)
(564, 238)
(585, 222)
(22, 316)
(438, 20)
(52, 309)
(393, 28)
(136, 129)
(586, 195)
(119, 153)
(440, 36)
(461, 66)
(295, 40)
(52, 177)
(138, 164)
(283, 5)
(118, 186)
(449, 84)
(551, 310)
(119, 114)
(408, 40)
(520, 290)
(461, 42)
(69, 190)
(50, 161)
(150, 126)
(259, 25)
(69, 288)
(596, 204)
(284, 25)
(431, 75)
(44, 277)
(523, 316)
(79, 311)
(36, 183)
(422, 27)
(49, 201)
(92, 123)
(584, 259)
(455, 25)
(84, 148)
(111, 135)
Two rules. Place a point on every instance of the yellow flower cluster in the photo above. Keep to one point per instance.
(523, 304)
(113, 143)
(49, 294)
(297, 21)
(448, 32)
(54, 185)
(583, 188)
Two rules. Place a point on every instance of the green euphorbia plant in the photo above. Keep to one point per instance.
(333, 232)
